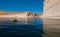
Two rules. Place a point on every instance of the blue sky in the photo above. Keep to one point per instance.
(35, 6)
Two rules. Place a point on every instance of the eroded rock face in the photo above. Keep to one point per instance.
(51, 9)
(16, 15)
(38, 15)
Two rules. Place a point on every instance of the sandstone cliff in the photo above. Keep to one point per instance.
(51, 9)
(18, 15)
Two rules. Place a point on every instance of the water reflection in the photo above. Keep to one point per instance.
(51, 27)
(31, 28)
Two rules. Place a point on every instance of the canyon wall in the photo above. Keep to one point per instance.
(18, 15)
(51, 9)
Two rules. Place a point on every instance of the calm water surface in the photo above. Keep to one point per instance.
(51, 27)
(30, 28)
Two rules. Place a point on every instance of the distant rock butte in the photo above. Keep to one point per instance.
(18, 14)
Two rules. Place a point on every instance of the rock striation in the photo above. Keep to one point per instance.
(51, 9)
(17, 15)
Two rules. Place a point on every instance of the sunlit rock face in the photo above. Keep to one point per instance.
(14, 15)
(18, 15)
(51, 9)
(38, 15)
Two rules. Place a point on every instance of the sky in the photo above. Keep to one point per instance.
(35, 6)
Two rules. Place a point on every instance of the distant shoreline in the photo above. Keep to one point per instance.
(18, 15)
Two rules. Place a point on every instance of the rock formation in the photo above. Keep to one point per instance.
(17, 15)
(51, 9)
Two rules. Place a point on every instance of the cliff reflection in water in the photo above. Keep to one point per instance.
(30, 28)
(51, 27)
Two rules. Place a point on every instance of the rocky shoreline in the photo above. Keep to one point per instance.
(18, 15)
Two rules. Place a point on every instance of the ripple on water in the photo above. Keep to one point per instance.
(34, 28)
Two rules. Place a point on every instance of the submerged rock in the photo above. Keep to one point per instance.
(14, 20)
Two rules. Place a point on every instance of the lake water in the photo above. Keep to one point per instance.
(30, 28)
(51, 27)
